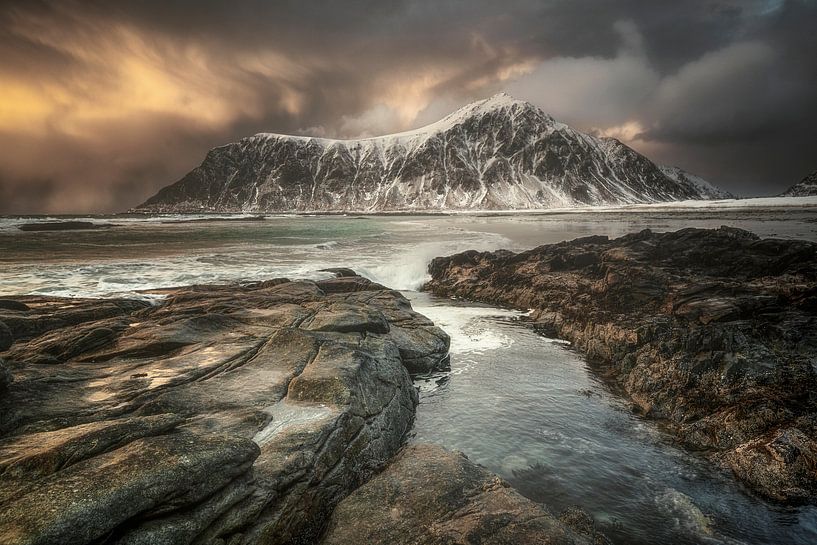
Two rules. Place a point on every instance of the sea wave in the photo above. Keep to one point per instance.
(408, 270)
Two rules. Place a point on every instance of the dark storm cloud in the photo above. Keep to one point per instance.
(102, 103)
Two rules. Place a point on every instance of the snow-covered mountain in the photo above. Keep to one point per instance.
(807, 187)
(498, 153)
(704, 189)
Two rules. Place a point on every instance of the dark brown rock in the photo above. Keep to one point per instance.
(48, 314)
(147, 477)
(430, 496)
(340, 272)
(6, 338)
(64, 226)
(5, 380)
(713, 331)
(11, 304)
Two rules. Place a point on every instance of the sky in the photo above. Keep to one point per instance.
(103, 102)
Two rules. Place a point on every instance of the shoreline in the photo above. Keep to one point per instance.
(229, 299)
(730, 205)
(257, 413)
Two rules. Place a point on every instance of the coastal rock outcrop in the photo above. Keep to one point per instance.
(430, 496)
(64, 226)
(218, 414)
(712, 331)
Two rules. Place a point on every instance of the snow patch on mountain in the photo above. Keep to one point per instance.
(703, 187)
(807, 187)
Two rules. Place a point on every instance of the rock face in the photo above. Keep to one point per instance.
(222, 414)
(713, 331)
(498, 153)
(807, 187)
(429, 496)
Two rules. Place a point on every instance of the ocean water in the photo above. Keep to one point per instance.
(526, 407)
(158, 251)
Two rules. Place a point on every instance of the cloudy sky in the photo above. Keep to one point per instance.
(104, 102)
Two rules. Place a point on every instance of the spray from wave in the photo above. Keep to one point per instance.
(408, 271)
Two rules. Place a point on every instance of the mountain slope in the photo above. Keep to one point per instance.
(807, 187)
(498, 153)
(703, 188)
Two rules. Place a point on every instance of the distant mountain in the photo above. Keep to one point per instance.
(704, 189)
(807, 187)
(498, 153)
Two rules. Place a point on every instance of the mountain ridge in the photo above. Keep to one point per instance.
(806, 187)
(497, 153)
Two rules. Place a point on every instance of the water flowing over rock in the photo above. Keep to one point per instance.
(712, 331)
(221, 414)
(498, 153)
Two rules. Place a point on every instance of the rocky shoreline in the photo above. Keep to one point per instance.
(234, 414)
(714, 332)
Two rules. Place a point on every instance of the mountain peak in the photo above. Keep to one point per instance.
(503, 99)
(500, 102)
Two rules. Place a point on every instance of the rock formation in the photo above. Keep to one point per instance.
(222, 414)
(237, 414)
(429, 496)
(712, 331)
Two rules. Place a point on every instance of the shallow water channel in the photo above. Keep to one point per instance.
(530, 409)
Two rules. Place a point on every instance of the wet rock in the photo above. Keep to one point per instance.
(145, 478)
(48, 314)
(234, 413)
(6, 337)
(346, 284)
(340, 272)
(45, 453)
(713, 331)
(5, 377)
(64, 226)
(420, 342)
(11, 304)
(428, 495)
(778, 465)
(346, 318)
(578, 520)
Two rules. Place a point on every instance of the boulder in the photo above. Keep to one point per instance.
(430, 496)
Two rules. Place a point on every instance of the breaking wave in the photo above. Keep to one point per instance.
(408, 271)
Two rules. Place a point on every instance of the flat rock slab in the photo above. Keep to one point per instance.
(430, 496)
(64, 226)
(220, 414)
(713, 331)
